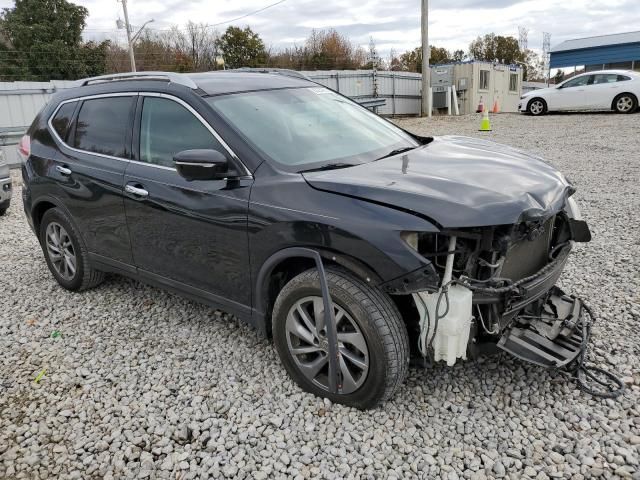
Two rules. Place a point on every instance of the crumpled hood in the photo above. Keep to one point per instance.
(456, 182)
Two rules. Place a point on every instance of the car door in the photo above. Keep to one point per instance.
(191, 235)
(603, 89)
(571, 94)
(88, 170)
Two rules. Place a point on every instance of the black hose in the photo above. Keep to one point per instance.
(445, 293)
(583, 372)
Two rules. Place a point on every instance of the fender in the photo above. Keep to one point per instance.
(258, 312)
(48, 199)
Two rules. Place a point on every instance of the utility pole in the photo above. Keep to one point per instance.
(426, 53)
(128, 28)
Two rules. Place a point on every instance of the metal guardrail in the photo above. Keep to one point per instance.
(372, 103)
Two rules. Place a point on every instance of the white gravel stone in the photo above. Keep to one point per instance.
(145, 383)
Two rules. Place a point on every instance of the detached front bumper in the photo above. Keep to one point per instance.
(554, 338)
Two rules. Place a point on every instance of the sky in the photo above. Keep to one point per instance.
(393, 25)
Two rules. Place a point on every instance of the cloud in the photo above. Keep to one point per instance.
(392, 24)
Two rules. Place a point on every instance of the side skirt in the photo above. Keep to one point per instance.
(243, 312)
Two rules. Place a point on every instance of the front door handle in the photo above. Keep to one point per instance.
(138, 191)
(63, 170)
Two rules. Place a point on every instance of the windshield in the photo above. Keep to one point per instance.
(308, 128)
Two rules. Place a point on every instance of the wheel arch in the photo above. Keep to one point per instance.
(545, 103)
(615, 99)
(41, 206)
(285, 264)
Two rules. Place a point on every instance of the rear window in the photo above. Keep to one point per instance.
(102, 125)
(62, 118)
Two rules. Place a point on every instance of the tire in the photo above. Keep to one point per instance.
(537, 106)
(4, 207)
(625, 103)
(83, 276)
(360, 309)
(3, 211)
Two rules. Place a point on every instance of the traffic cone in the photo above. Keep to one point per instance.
(496, 108)
(480, 106)
(485, 124)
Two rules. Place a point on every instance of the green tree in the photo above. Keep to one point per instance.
(242, 48)
(411, 61)
(492, 47)
(42, 40)
(533, 66)
(558, 77)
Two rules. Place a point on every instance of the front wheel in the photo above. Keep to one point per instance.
(537, 106)
(625, 103)
(373, 344)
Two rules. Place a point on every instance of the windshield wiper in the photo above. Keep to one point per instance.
(397, 151)
(329, 166)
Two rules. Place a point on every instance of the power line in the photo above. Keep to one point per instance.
(204, 26)
(248, 14)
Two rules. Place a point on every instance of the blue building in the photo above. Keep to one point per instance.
(616, 51)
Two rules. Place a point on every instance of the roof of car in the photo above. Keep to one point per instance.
(229, 81)
(616, 72)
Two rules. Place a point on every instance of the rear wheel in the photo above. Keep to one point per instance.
(373, 344)
(65, 253)
(625, 103)
(537, 106)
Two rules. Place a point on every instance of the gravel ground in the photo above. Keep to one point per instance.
(141, 383)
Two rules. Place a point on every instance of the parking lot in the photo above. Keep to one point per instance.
(141, 383)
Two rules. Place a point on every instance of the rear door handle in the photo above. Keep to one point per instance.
(138, 191)
(63, 170)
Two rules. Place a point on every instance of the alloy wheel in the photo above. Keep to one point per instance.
(536, 107)
(309, 347)
(60, 250)
(624, 104)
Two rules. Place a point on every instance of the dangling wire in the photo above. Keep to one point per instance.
(585, 375)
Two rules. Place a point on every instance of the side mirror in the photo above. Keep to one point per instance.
(201, 164)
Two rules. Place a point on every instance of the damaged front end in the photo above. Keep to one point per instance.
(497, 286)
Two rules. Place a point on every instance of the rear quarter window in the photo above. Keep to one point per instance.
(61, 120)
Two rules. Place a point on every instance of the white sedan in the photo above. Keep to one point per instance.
(617, 90)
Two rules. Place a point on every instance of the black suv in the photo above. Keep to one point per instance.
(270, 196)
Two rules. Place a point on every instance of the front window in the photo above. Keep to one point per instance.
(306, 128)
(576, 82)
(167, 128)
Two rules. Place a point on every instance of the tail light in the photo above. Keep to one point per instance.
(24, 147)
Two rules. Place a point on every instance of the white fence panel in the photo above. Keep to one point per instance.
(401, 90)
(20, 102)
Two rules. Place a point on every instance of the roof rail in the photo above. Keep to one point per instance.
(172, 77)
(279, 71)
